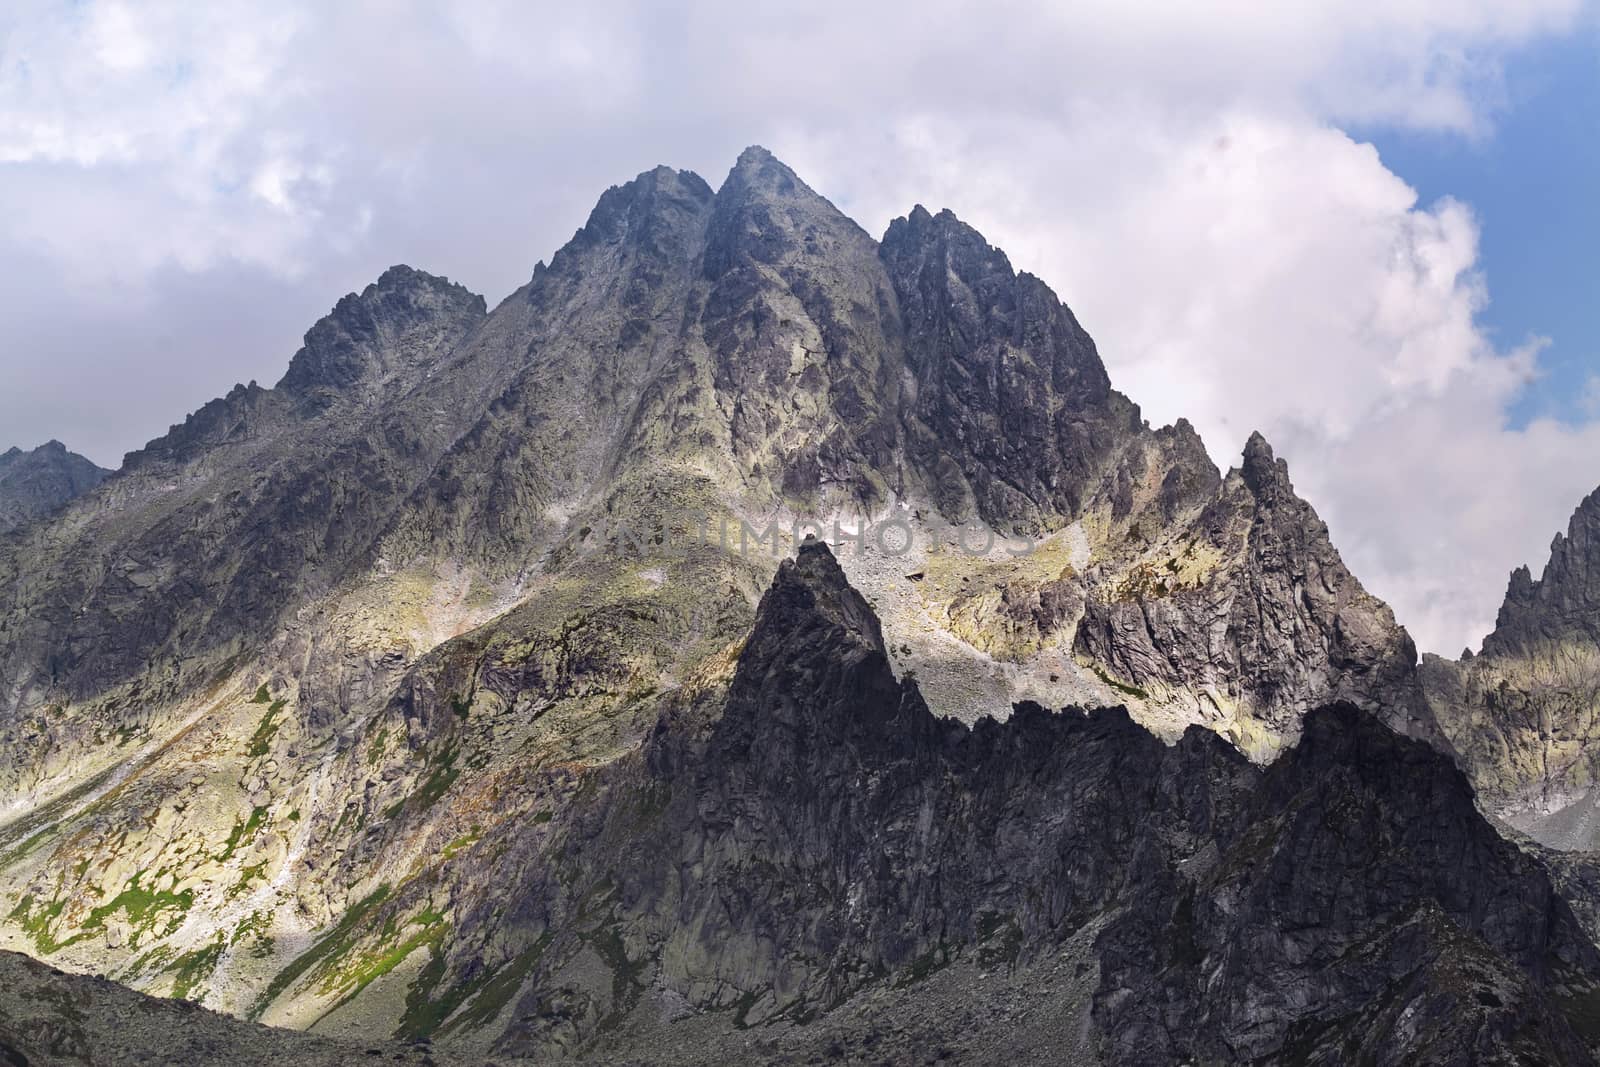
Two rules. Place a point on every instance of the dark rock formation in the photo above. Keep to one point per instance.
(1565, 602)
(1364, 912)
(817, 832)
(402, 321)
(35, 484)
(1276, 626)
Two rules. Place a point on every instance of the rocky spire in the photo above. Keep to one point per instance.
(403, 319)
(1564, 603)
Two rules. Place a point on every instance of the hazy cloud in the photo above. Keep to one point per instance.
(187, 188)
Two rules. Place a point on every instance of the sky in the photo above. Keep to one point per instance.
(1364, 227)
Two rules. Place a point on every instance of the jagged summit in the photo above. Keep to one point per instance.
(759, 173)
(812, 590)
(1564, 602)
(1524, 714)
(1263, 472)
(404, 318)
(636, 207)
(36, 483)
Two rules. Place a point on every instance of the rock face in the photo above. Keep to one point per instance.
(34, 484)
(825, 832)
(1362, 890)
(288, 704)
(1525, 713)
(785, 844)
(1270, 625)
(1564, 604)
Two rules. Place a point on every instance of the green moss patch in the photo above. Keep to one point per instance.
(266, 730)
(1121, 687)
(332, 945)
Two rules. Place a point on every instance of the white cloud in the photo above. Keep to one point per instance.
(1590, 398)
(1175, 170)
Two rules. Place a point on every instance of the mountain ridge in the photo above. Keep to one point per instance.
(282, 701)
(1524, 713)
(802, 841)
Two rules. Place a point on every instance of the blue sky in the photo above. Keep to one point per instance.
(1533, 181)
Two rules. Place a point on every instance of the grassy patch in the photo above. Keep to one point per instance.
(1121, 687)
(463, 842)
(335, 943)
(241, 831)
(625, 973)
(254, 872)
(144, 908)
(266, 730)
(489, 993)
(39, 926)
(438, 783)
(192, 968)
(255, 929)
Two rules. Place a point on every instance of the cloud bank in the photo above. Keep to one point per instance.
(187, 188)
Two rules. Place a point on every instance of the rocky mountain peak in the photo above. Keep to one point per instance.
(764, 214)
(642, 209)
(1524, 715)
(1564, 602)
(34, 484)
(811, 595)
(1263, 472)
(758, 170)
(955, 240)
(402, 320)
(816, 661)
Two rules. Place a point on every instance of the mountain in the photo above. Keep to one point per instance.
(294, 708)
(1524, 714)
(821, 832)
(34, 484)
(807, 852)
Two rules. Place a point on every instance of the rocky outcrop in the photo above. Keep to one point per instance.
(811, 832)
(1564, 604)
(49, 1017)
(1525, 713)
(400, 323)
(1363, 912)
(35, 484)
(807, 836)
(1247, 611)
(1011, 414)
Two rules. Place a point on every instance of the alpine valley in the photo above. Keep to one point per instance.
(755, 642)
